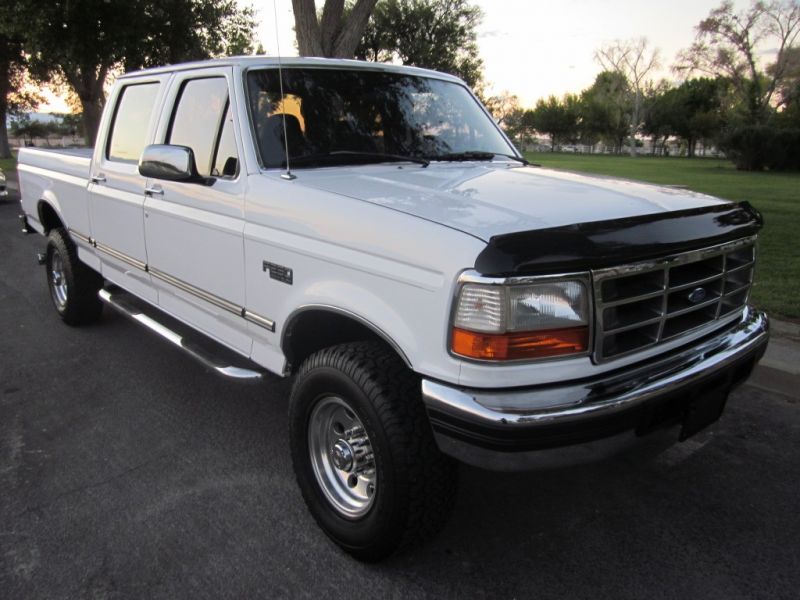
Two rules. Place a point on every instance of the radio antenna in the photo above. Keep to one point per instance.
(288, 174)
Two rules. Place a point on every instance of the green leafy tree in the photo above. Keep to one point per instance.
(698, 113)
(556, 118)
(728, 44)
(605, 109)
(659, 109)
(15, 92)
(67, 47)
(434, 34)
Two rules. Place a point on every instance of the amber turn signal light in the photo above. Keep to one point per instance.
(520, 345)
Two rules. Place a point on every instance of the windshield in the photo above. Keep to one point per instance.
(354, 116)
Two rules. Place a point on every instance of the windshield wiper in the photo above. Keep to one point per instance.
(339, 155)
(474, 155)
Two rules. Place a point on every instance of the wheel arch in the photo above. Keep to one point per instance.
(49, 216)
(313, 327)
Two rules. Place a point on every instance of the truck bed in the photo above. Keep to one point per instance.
(69, 161)
(59, 177)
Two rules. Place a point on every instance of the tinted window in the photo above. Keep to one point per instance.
(198, 120)
(131, 122)
(226, 162)
(329, 113)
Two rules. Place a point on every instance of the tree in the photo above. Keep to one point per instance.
(605, 109)
(336, 34)
(434, 34)
(728, 43)
(503, 107)
(15, 93)
(66, 46)
(789, 87)
(659, 108)
(698, 113)
(632, 60)
(556, 118)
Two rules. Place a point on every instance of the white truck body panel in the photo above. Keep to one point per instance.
(385, 243)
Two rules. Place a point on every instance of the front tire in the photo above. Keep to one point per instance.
(363, 451)
(73, 286)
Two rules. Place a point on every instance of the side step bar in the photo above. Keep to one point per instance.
(211, 354)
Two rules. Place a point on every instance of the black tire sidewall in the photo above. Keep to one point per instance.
(57, 244)
(374, 533)
(83, 305)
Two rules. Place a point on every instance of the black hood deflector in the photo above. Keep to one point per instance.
(609, 243)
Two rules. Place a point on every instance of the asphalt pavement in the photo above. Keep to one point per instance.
(127, 471)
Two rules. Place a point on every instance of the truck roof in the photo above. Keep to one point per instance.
(249, 62)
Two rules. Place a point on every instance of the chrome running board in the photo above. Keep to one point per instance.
(209, 353)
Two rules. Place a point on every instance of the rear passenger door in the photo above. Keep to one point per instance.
(194, 232)
(116, 190)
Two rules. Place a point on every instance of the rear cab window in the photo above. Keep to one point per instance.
(129, 130)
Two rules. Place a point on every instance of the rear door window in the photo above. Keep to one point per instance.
(131, 122)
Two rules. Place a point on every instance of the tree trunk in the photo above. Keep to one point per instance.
(88, 85)
(92, 112)
(353, 29)
(337, 37)
(5, 85)
(309, 38)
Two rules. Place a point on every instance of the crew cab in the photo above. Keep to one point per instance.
(368, 230)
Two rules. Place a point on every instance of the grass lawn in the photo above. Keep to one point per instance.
(8, 164)
(776, 195)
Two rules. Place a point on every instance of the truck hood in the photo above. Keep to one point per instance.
(492, 199)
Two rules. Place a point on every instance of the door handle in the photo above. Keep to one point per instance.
(154, 190)
(98, 178)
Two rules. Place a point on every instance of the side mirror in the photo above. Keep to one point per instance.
(171, 163)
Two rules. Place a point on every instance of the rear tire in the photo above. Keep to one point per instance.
(364, 454)
(73, 286)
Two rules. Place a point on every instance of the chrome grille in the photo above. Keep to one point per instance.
(643, 304)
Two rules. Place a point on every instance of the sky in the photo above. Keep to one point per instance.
(534, 48)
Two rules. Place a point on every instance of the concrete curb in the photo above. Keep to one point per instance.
(779, 370)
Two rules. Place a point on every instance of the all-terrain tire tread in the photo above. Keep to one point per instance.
(83, 305)
(394, 391)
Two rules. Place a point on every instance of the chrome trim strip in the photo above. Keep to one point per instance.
(544, 406)
(190, 289)
(177, 340)
(182, 285)
(84, 238)
(120, 256)
(259, 320)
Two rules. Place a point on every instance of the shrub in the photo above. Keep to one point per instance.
(756, 147)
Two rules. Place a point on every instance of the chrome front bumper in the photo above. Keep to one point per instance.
(490, 427)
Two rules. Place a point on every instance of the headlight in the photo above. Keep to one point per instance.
(521, 321)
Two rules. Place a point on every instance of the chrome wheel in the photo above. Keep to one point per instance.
(341, 456)
(58, 280)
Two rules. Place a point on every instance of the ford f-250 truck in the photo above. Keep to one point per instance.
(370, 231)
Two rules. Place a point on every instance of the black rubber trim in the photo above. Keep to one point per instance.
(661, 411)
(610, 243)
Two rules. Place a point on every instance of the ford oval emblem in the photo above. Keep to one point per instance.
(697, 295)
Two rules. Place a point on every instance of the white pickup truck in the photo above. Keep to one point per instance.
(370, 231)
